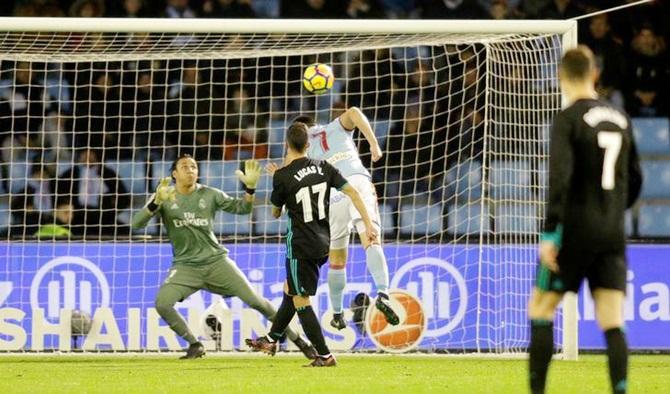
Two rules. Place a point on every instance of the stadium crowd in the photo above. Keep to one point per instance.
(226, 109)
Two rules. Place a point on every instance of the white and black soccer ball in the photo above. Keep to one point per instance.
(80, 322)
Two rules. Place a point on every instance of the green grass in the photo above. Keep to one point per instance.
(283, 374)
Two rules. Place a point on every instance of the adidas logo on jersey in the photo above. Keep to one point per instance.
(174, 206)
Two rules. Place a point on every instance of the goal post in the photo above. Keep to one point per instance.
(461, 110)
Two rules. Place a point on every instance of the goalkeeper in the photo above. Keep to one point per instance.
(187, 210)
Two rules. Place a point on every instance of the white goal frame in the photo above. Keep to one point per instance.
(567, 29)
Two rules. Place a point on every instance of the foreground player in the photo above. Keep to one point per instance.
(303, 186)
(334, 143)
(594, 176)
(187, 211)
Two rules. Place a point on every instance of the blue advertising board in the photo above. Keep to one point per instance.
(473, 298)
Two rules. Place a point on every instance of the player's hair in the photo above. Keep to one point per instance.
(296, 136)
(308, 120)
(577, 64)
(173, 167)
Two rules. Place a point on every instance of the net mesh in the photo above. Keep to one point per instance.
(91, 121)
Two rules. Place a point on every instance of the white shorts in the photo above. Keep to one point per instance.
(344, 215)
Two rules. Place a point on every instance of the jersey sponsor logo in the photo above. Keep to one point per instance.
(69, 282)
(190, 220)
(303, 172)
(597, 115)
(440, 287)
(202, 204)
(406, 335)
(339, 156)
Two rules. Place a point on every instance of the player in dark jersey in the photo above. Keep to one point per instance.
(594, 175)
(303, 185)
(187, 210)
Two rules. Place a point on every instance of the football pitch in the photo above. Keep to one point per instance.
(242, 373)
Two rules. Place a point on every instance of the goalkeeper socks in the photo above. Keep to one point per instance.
(337, 280)
(282, 318)
(313, 329)
(541, 349)
(617, 354)
(376, 262)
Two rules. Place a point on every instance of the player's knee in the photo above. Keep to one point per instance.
(163, 306)
(540, 307)
(339, 244)
(609, 318)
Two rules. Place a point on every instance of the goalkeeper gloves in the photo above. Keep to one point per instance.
(251, 174)
(164, 192)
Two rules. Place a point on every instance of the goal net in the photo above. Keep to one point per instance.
(93, 112)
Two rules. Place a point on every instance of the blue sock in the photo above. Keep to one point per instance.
(337, 280)
(376, 262)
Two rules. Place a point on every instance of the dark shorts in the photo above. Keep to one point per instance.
(302, 275)
(602, 270)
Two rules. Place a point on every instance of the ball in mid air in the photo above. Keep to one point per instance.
(318, 78)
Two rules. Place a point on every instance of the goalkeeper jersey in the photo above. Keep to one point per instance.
(335, 144)
(189, 223)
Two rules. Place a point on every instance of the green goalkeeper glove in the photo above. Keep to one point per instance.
(165, 192)
(251, 174)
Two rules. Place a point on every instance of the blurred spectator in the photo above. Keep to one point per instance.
(451, 9)
(400, 9)
(194, 108)
(408, 155)
(246, 127)
(97, 111)
(132, 9)
(501, 9)
(647, 76)
(511, 6)
(310, 9)
(610, 60)
(57, 138)
(227, 9)
(59, 226)
(144, 110)
(375, 77)
(421, 83)
(561, 9)
(87, 9)
(33, 205)
(364, 9)
(179, 9)
(96, 193)
(27, 99)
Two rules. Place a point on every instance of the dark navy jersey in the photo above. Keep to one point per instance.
(594, 175)
(303, 186)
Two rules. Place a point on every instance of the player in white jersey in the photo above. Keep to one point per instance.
(334, 143)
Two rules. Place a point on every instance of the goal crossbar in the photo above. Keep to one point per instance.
(164, 25)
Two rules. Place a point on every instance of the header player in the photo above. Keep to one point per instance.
(334, 143)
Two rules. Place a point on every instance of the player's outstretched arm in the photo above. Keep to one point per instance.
(353, 117)
(356, 199)
(244, 205)
(164, 192)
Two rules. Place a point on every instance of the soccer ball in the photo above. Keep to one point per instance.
(318, 78)
(80, 323)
